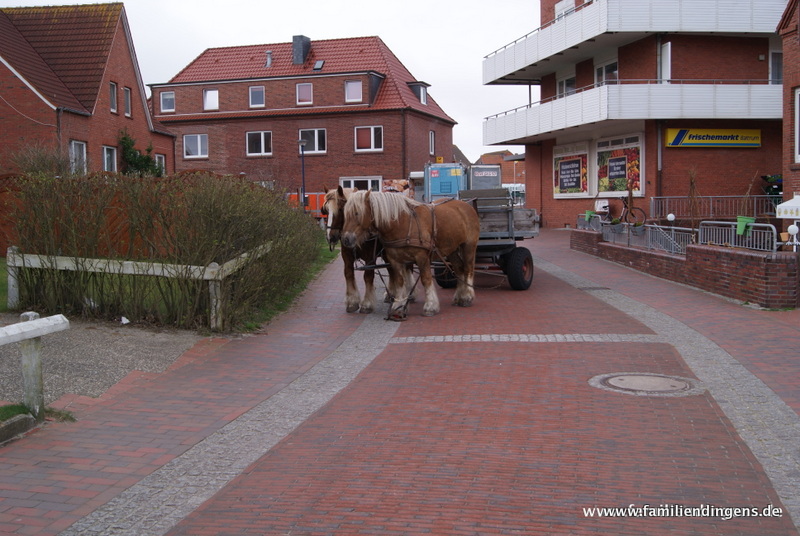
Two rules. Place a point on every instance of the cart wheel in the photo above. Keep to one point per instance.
(519, 268)
(444, 277)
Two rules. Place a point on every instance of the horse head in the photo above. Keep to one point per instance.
(333, 209)
(357, 219)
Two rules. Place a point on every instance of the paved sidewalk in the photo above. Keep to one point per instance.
(487, 420)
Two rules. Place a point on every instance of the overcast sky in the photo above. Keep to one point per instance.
(441, 42)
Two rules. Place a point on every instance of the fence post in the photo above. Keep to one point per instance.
(33, 387)
(215, 297)
(13, 275)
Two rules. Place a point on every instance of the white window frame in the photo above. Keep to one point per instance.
(601, 76)
(776, 67)
(77, 156)
(666, 63)
(210, 99)
(263, 135)
(796, 126)
(432, 142)
(362, 183)
(423, 95)
(161, 162)
(625, 141)
(163, 96)
(109, 158)
(563, 89)
(126, 101)
(353, 91)
(199, 140)
(255, 91)
(315, 137)
(112, 96)
(376, 145)
(310, 87)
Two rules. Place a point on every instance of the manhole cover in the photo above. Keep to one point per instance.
(646, 384)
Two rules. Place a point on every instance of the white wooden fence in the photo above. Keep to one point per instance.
(28, 334)
(213, 273)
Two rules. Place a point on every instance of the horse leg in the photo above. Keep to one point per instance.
(431, 306)
(352, 298)
(397, 291)
(368, 302)
(465, 289)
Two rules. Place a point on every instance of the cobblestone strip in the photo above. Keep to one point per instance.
(157, 503)
(534, 338)
(769, 427)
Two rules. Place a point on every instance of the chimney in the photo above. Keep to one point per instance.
(269, 59)
(301, 46)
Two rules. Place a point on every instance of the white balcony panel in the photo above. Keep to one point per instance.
(615, 18)
(636, 102)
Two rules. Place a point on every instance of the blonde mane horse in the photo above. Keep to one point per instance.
(367, 253)
(414, 232)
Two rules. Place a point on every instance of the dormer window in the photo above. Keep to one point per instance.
(210, 99)
(353, 91)
(420, 89)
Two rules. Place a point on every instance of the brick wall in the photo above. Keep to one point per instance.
(769, 280)
(791, 81)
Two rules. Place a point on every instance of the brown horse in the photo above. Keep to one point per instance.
(333, 208)
(368, 253)
(414, 232)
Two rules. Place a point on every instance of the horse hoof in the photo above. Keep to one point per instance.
(366, 310)
(429, 313)
(352, 308)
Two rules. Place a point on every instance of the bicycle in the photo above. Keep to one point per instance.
(629, 214)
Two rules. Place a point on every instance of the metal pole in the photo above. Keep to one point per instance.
(303, 199)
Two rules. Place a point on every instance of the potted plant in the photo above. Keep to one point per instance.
(617, 226)
(638, 228)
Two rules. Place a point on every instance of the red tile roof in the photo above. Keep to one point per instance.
(351, 55)
(67, 48)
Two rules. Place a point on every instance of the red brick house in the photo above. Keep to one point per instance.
(790, 34)
(645, 93)
(69, 81)
(365, 120)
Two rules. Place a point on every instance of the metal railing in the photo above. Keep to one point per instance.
(755, 236)
(720, 206)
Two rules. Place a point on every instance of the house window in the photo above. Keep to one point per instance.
(353, 91)
(423, 95)
(369, 138)
(126, 100)
(259, 143)
(257, 98)
(606, 74)
(362, 183)
(432, 143)
(565, 87)
(161, 162)
(112, 96)
(77, 156)
(167, 101)
(210, 99)
(315, 140)
(109, 159)
(776, 68)
(195, 146)
(797, 125)
(305, 94)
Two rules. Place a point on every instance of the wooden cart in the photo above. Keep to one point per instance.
(502, 226)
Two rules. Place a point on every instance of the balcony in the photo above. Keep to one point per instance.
(636, 100)
(609, 24)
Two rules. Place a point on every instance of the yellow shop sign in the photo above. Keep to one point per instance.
(713, 137)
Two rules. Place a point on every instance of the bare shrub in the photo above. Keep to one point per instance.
(182, 220)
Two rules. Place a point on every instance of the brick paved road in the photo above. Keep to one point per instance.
(477, 421)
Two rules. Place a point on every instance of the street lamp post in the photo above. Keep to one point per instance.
(302, 143)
